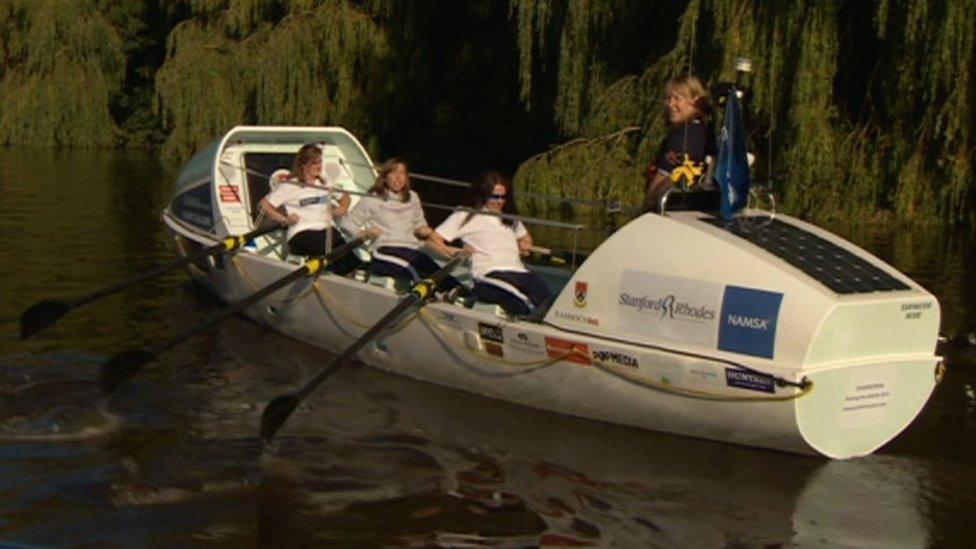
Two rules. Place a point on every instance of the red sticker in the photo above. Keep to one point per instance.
(569, 351)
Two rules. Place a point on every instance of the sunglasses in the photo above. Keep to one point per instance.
(496, 197)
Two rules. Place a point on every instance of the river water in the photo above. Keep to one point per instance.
(173, 458)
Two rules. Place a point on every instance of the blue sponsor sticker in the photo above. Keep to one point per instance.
(748, 321)
(749, 380)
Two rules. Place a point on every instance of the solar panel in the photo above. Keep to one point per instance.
(831, 265)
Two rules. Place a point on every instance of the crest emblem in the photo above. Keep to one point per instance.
(580, 294)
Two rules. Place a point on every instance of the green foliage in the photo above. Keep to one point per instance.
(230, 64)
(61, 62)
(857, 109)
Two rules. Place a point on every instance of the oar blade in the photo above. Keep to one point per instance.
(121, 367)
(276, 413)
(41, 315)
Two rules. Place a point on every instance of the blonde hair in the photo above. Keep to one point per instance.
(691, 87)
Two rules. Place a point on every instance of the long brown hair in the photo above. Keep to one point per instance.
(307, 154)
(379, 187)
(484, 187)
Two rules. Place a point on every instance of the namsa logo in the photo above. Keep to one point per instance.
(580, 294)
(614, 358)
(668, 307)
(749, 318)
(751, 322)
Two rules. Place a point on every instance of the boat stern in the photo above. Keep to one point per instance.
(854, 410)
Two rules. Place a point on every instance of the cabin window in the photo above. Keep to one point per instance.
(195, 207)
(259, 168)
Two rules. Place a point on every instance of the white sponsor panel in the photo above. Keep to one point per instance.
(668, 307)
(866, 400)
(524, 344)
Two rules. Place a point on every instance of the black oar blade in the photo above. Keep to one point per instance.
(276, 413)
(121, 367)
(41, 315)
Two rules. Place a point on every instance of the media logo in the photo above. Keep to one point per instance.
(748, 321)
(615, 358)
(580, 294)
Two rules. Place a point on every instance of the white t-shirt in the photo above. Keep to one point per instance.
(495, 244)
(396, 220)
(309, 202)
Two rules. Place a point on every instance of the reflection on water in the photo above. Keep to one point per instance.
(863, 503)
(375, 459)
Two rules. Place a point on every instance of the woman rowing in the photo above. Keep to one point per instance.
(303, 204)
(495, 237)
(393, 217)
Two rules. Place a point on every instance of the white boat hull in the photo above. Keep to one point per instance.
(852, 409)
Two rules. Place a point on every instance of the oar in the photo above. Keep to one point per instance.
(122, 366)
(45, 313)
(279, 409)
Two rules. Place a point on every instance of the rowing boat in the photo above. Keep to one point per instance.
(762, 330)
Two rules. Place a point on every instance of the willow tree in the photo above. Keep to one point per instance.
(855, 108)
(61, 63)
(268, 62)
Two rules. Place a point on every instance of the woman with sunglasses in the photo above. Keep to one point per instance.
(393, 217)
(496, 239)
(302, 203)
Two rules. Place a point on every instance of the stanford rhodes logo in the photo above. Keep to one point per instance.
(580, 294)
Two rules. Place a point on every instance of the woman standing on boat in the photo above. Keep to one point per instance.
(302, 203)
(496, 239)
(393, 216)
(682, 154)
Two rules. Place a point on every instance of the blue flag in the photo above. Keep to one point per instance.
(732, 171)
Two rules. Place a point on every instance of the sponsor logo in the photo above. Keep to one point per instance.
(525, 342)
(749, 380)
(614, 358)
(668, 307)
(576, 317)
(494, 348)
(492, 338)
(748, 323)
(570, 351)
(450, 318)
(313, 200)
(228, 193)
(580, 294)
(490, 332)
(700, 375)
